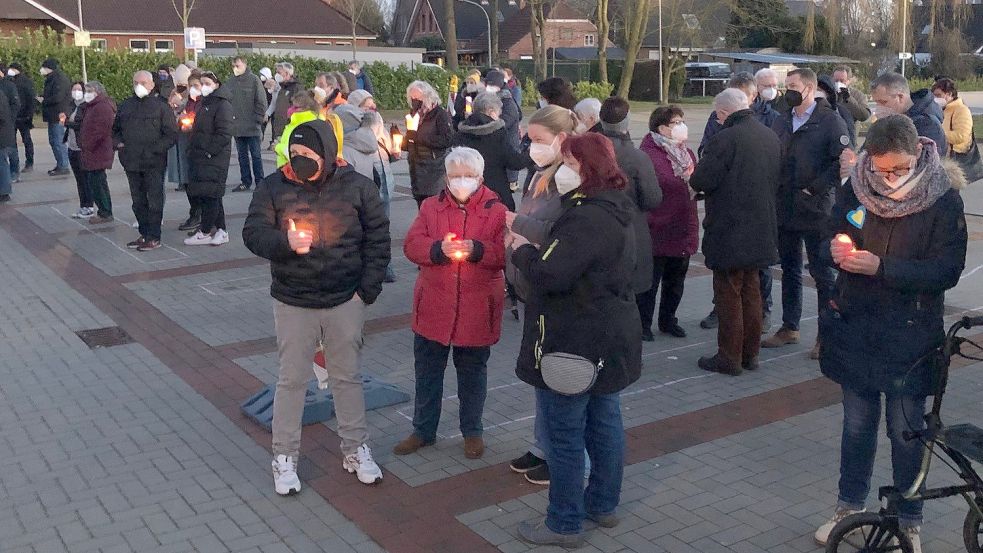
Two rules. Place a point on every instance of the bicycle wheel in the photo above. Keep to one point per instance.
(867, 533)
(973, 532)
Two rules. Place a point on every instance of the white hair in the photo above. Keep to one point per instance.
(765, 72)
(488, 102)
(286, 66)
(588, 107)
(731, 100)
(430, 96)
(466, 157)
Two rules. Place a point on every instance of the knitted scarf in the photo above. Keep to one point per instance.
(927, 185)
(678, 155)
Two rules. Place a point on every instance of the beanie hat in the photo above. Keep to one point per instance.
(16, 66)
(181, 74)
(307, 135)
(495, 78)
(50, 63)
(266, 73)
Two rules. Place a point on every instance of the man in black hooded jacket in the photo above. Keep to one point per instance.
(325, 231)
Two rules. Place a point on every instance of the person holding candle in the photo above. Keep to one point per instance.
(95, 138)
(738, 173)
(458, 240)
(464, 102)
(209, 151)
(325, 231)
(428, 136)
(185, 103)
(898, 236)
(583, 305)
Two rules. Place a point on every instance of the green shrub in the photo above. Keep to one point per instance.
(585, 89)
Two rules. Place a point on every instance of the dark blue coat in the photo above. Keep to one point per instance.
(927, 117)
(880, 325)
(810, 167)
(762, 111)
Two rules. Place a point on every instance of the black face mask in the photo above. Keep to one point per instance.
(304, 167)
(793, 98)
(416, 106)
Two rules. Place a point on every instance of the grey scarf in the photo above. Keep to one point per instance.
(927, 185)
(678, 155)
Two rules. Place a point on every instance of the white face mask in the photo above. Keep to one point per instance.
(840, 86)
(566, 179)
(543, 103)
(899, 181)
(544, 155)
(88, 96)
(237, 71)
(45, 71)
(491, 88)
(353, 71)
(463, 187)
(768, 94)
(194, 92)
(141, 91)
(881, 112)
(278, 78)
(77, 95)
(819, 94)
(206, 90)
(581, 129)
(471, 87)
(12, 72)
(941, 102)
(320, 94)
(680, 132)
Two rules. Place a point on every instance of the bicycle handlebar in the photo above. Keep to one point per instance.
(970, 322)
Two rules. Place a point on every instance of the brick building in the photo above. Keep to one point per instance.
(153, 25)
(565, 28)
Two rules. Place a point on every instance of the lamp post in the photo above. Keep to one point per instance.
(487, 22)
(85, 76)
(904, 31)
(662, 62)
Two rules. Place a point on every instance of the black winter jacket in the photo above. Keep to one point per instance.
(13, 96)
(57, 96)
(210, 145)
(8, 125)
(827, 85)
(811, 167)
(738, 173)
(644, 192)
(584, 303)
(427, 147)
(927, 117)
(351, 248)
(144, 129)
(28, 100)
(249, 103)
(489, 137)
(880, 325)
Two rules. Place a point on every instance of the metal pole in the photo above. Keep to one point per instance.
(487, 22)
(904, 24)
(85, 74)
(662, 62)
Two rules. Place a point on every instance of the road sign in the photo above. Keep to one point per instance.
(194, 38)
(83, 39)
(904, 55)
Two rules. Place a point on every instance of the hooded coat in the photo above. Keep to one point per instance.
(28, 100)
(210, 145)
(366, 155)
(927, 117)
(879, 326)
(827, 85)
(584, 303)
(459, 302)
(489, 136)
(95, 135)
(343, 210)
(57, 93)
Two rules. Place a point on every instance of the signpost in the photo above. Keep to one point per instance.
(83, 41)
(194, 39)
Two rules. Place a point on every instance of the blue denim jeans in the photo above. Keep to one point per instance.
(861, 419)
(790, 251)
(573, 422)
(765, 279)
(430, 361)
(56, 138)
(248, 146)
(541, 444)
(5, 187)
(14, 158)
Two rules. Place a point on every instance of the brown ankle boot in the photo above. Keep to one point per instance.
(814, 354)
(783, 337)
(719, 364)
(410, 445)
(474, 447)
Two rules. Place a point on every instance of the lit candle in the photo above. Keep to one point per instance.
(458, 254)
(469, 106)
(187, 122)
(302, 234)
(845, 240)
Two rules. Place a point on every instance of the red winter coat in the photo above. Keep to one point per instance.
(674, 224)
(96, 135)
(459, 302)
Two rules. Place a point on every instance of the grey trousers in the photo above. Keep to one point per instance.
(298, 331)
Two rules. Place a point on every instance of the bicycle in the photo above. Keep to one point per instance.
(881, 532)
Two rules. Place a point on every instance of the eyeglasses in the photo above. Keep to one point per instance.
(674, 123)
(902, 172)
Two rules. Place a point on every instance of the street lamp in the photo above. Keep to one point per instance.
(662, 62)
(904, 30)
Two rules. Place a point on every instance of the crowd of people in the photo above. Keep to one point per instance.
(601, 225)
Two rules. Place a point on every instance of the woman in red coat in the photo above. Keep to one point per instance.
(458, 240)
(674, 225)
(96, 143)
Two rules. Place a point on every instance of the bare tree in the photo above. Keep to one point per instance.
(365, 13)
(538, 34)
(638, 16)
(184, 14)
(603, 29)
(450, 40)
(493, 22)
(809, 32)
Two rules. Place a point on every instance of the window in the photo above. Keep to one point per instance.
(139, 45)
(163, 45)
(323, 42)
(588, 40)
(98, 44)
(343, 43)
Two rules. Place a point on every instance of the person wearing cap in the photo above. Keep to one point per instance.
(25, 117)
(511, 114)
(248, 108)
(163, 83)
(56, 102)
(325, 231)
(209, 151)
(362, 80)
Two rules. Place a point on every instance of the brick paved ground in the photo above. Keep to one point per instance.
(141, 446)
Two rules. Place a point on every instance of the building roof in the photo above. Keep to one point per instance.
(514, 28)
(780, 58)
(710, 18)
(589, 53)
(315, 18)
(470, 23)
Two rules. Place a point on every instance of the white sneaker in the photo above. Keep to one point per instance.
(84, 213)
(221, 237)
(199, 239)
(285, 478)
(822, 534)
(363, 466)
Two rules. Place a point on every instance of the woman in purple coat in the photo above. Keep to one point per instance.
(674, 225)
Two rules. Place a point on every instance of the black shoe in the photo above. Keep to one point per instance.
(190, 223)
(241, 188)
(710, 321)
(136, 243)
(4, 198)
(58, 172)
(647, 335)
(526, 463)
(674, 330)
(539, 475)
(28, 168)
(718, 364)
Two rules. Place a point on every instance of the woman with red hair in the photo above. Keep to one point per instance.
(584, 306)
